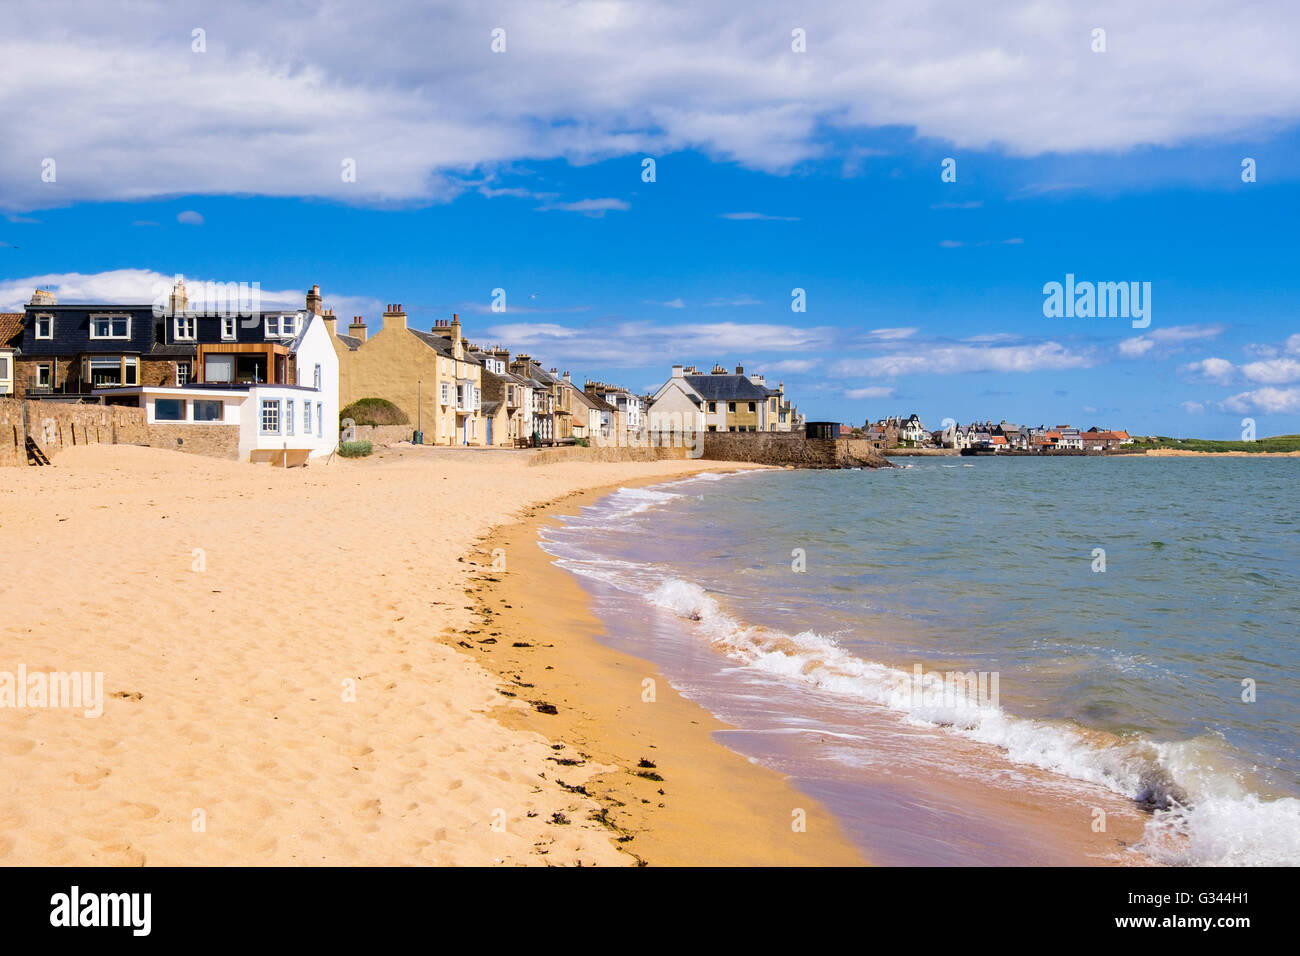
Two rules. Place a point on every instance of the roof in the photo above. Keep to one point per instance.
(726, 388)
(442, 346)
(11, 323)
(489, 408)
(351, 341)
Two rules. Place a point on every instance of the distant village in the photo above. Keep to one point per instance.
(1003, 436)
(295, 380)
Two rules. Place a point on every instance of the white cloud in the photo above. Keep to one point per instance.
(189, 218)
(1271, 400)
(141, 286)
(1276, 371)
(795, 366)
(1193, 408)
(670, 304)
(955, 359)
(1217, 370)
(721, 301)
(873, 391)
(285, 96)
(596, 208)
(757, 216)
(893, 335)
(1168, 340)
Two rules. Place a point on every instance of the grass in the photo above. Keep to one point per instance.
(1274, 444)
(374, 411)
(355, 449)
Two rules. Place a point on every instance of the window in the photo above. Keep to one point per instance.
(731, 406)
(446, 393)
(218, 368)
(131, 371)
(106, 371)
(288, 416)
(110, 326)
(182, 373)
(270, 416)
(282, 326)
(185, 327)
(751, 406)
(169, 410)
(316, 379)
(43, 377)
(207, 410)
(306, 418)
(45, 326)
(320, 421)
(4, 368)
(228, 329)
(713, 407)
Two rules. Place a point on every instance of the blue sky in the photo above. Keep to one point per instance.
(477, 172)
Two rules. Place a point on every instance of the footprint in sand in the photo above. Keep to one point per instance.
(369, 810)
(92, 776)
(16, 746)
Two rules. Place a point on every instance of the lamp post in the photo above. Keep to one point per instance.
(419, 408)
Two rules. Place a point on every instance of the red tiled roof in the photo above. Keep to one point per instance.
(11, 323)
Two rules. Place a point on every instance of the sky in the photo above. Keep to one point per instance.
(920, 171)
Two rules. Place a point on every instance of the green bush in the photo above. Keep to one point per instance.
(582, 442)
(374, 411)
(355, 449)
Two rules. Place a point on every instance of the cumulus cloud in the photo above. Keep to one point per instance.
(189, 218)
(1217, 370)
(1272, 400)
(596, 208)
(287, 99)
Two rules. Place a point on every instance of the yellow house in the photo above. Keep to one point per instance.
(431, 376)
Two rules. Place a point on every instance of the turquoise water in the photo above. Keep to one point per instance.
(1128, 678)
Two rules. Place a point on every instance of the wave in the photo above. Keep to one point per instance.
(1201, 814)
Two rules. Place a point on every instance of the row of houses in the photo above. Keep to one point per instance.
(1006, 436)
(283, 376)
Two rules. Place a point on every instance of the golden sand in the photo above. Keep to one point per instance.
(285, 681)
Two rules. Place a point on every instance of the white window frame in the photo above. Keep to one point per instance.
(48, 318)
(220, 419)
(191, 326)
(182, 381)
(45, 370)
(306, 418)
(316, 377)
(289, 412)
(320, 420)
(228, 328)
(269, 405)
(185, 411)
(446, 393)
(96, 316)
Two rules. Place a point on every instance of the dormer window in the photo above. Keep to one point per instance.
(228, 329)
(186, 328)
(45, 326)
(281, 326)
(110, 326)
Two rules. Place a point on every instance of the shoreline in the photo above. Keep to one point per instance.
(1050, 819)
(713, 806)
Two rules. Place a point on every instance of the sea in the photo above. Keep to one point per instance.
(1052, 628)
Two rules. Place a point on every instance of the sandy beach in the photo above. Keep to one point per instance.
(297, 671)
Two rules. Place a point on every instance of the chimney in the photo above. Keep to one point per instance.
(331, 322)
(678, 371)
(740, 370)
(457, 345)
(718, 370)
(358, 328)
(394, 316)
(179, 301)
(313, 300)
(44, 297)
(567, 379)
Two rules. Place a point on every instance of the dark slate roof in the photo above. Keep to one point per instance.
(352, 342)
(71, 334)
(489, 408)
(726, 388)
(174, 350)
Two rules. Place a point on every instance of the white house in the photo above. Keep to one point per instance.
(269, 417)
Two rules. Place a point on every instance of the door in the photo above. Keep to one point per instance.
(489, 431)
